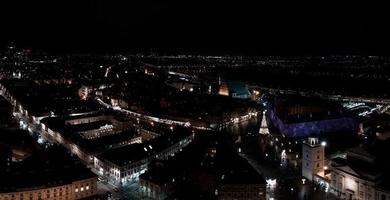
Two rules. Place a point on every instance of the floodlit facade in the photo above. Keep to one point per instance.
(358, 177)
(302, 118)
(354, 177)
(120, 167)
(78, 189)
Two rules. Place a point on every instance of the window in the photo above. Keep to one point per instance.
(76, 190)
(87, 188)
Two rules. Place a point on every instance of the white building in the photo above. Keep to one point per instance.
(358, 176)
(120, 165)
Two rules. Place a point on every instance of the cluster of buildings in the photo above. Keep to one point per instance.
(91, 134)
(118, 147)
(207, 168)
(123, 164)
(32, 180)
(114, 147)
(360, 173)
(29, 172)
(234, 89)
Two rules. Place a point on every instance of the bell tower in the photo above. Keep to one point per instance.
(313, 158)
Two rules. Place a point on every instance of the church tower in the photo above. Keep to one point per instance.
(313, 158)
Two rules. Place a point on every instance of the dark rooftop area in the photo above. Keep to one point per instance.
(41, 99)
(132, 153)
(295, 109)
(96, 145)
(44, 169)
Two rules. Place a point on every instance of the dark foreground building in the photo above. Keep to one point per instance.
(203, 170)
(41, 174)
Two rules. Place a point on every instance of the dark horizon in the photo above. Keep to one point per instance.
(266, 28)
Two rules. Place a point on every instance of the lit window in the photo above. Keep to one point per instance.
(76, 190)
(87, 188)
(82, 189)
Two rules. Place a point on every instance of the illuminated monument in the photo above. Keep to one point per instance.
(264, 127)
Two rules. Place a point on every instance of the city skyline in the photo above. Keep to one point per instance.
(190, 100)
(196, 27)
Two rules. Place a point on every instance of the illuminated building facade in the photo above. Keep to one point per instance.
(234, 89)
(224, 89)
(358, 176)
(89, 135)
(120, 165)
(302, 119)
(77, 189)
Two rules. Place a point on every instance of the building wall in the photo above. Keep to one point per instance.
(87, 120)
(313, 158)
(68, 191)
(152, 190)
(85, 157)
(382, 195)
(119, 175)
(241, 192)
(304, 129)
(97, 133)
(349, 186)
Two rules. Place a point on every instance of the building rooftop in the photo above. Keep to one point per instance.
(132, 153)
(203, 156)
(239, 88)
(44, 169)
(89, 126)
(41, 99)
(368, 161)
(299, 109)
(95, 145)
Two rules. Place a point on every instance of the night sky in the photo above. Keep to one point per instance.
(193, 26)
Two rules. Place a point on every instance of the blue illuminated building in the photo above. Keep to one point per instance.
(298, 117)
